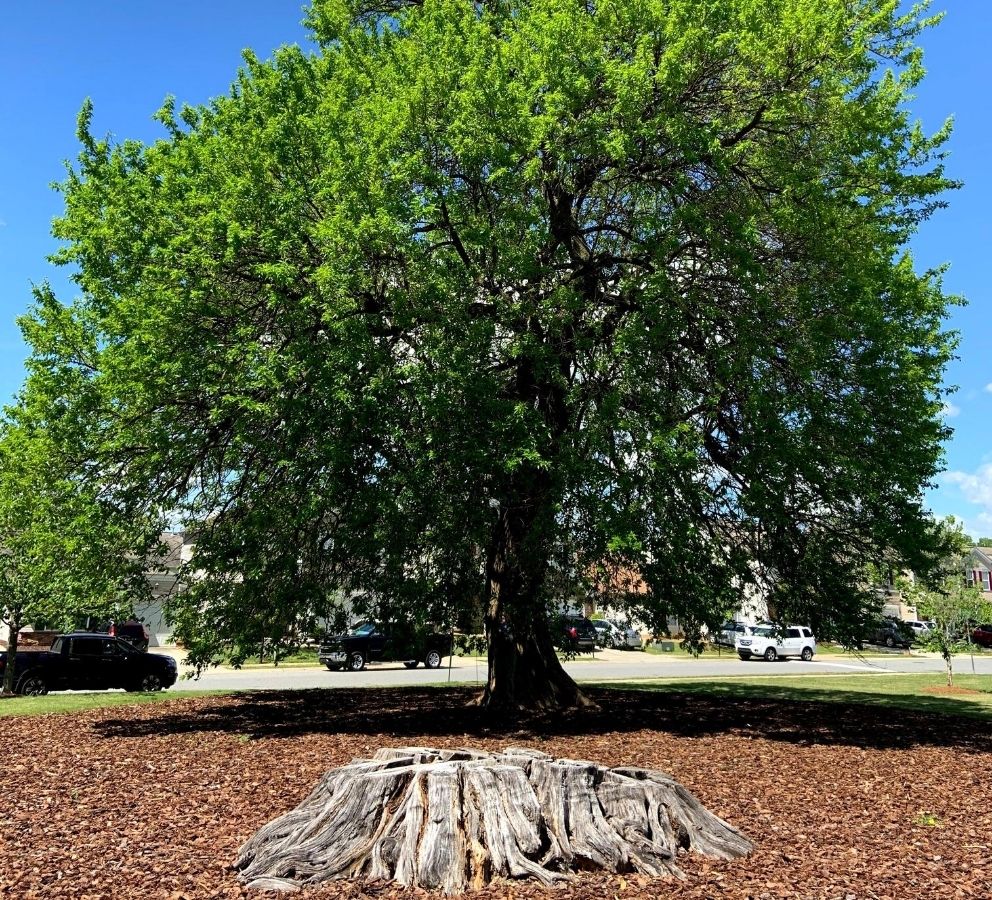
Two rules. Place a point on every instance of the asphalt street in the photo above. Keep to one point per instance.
(609, 665)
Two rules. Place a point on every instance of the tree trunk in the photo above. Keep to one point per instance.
(524, 670)
(453, 820)
(8, 672)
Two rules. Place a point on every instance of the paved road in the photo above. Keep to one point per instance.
(607, 666)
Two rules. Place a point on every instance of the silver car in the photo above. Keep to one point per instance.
(611, 633)
(727, 633)
(631, 636)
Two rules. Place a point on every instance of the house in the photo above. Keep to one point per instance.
(893, 604)
(978, 568)
(622, 586)
(163, 578)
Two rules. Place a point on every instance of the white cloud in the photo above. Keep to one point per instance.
(975, 526)
(980, 526)
(976, 486)
(949, 410)
(988, 387)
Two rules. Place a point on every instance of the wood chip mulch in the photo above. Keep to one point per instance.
(841, 801)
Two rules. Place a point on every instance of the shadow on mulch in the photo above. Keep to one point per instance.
(868, 721)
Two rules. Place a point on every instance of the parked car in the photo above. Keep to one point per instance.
(891, 633)
(771, 642)
(577, 634)
(982, 635)
(726, 634)
(83, 661)
(919, 628)
(376, 642)
(133, 631)
(610, 633)
(605, 632)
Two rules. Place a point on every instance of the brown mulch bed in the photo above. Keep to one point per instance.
(841, 801)
(951, 689)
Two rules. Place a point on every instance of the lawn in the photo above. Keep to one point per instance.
(299, 658)
(711, 650)
(970, 696)
(73, 702)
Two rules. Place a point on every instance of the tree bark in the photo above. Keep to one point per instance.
(524, 670)
(453, 820)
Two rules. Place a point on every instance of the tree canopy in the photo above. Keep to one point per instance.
(64, 554)
(481, 300)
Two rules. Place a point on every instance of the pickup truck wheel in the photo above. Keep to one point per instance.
(150, 683)
(433, 660)
(807, 654)
(890, 642)
(770, 655)
(411, 663)
(356, 662)
(33, 686)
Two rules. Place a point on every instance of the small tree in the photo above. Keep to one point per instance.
(952, 607)
(949, 601)
(64, 551)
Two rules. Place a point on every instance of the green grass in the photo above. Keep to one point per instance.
(72, 703)
(715, 652)
(837, 650)
(656, 650)
(890, 691)
(302, 658)
(885, 691)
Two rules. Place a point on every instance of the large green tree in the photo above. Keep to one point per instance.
(483, 298)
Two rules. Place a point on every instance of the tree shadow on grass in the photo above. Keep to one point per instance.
(872, 721)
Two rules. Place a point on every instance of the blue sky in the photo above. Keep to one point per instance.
(128, 56)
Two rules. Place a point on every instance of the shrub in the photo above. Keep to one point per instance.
(471, 645)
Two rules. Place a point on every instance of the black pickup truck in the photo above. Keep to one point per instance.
(82, 661)
(368, 641)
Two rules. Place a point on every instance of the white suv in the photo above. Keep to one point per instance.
(770, 642)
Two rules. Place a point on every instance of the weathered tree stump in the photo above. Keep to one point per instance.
(456, 819)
